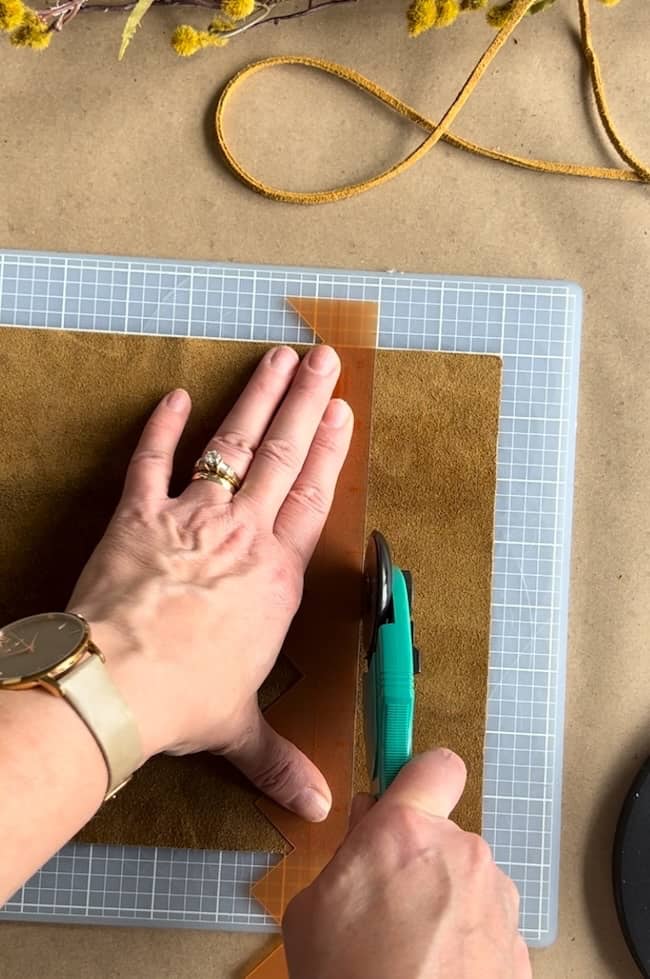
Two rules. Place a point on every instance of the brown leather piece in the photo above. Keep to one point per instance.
(432, 485)
(73, 406)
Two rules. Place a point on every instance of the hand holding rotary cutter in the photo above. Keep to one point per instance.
(392, 661)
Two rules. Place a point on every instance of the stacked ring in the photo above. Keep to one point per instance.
(212, 466)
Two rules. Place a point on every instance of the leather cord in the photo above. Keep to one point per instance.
(637, 171)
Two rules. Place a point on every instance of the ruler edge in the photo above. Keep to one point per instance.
(563, 613)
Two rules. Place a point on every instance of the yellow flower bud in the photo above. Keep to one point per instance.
(424, 14)
(186, 40)
(11, 14)
(238, 9)
(32, 32)
(448, 11)
(497, 15)
(421, 16)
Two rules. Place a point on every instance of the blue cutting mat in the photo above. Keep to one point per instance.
(535, 327)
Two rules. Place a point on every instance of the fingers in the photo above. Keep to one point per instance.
(280, 770)
(432, 782)
(282, 453)
(242, 430)
(360, 807)
(149, 471)
(303, 513)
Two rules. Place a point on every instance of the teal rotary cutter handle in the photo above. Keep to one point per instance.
(392, 661)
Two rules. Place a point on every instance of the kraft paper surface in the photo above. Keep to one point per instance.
(431, 491)
(119, 159)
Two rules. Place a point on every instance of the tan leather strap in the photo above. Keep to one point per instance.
(98, 702)
(638, 171)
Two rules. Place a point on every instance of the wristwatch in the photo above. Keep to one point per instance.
(54, 650)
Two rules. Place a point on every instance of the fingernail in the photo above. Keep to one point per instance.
(284, 359)
(322, 359)
(311, 805)
(337, 413)
(177, 400)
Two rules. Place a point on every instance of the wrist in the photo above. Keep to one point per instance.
(138, 683)
(52, 781)
(43, 727)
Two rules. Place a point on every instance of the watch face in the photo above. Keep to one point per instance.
(35, 645)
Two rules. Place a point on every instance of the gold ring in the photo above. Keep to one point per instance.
(212, 463)
(221, 480)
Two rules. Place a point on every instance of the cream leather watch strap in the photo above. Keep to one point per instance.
(90, 690)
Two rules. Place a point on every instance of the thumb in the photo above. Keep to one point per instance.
(432, 782)
(279, 769)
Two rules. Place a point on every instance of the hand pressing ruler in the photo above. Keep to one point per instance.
(535, 327)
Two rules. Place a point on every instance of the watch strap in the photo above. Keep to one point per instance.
(90, 690)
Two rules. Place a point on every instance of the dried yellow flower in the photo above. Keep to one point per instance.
(11, 14)
(238, 9)
(610, 3)
(424, 14)
(497, 15)
(32, 32)
(186, 40)
(421, 16)
(448, 11)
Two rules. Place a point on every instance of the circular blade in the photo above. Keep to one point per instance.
(378, 588)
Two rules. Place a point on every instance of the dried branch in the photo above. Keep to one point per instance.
(104, 8)
(311, 8)
(65, 10)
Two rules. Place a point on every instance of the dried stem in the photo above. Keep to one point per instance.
(60, 13)
(311, 8)
(107, 7)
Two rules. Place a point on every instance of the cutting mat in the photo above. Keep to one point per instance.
(535, 327)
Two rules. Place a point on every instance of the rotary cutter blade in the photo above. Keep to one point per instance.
(392, 661)
(378, 574)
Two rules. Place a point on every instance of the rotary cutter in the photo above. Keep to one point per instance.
(392, 662)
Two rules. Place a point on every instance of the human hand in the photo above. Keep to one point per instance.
(190, 598)
(409, 895)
